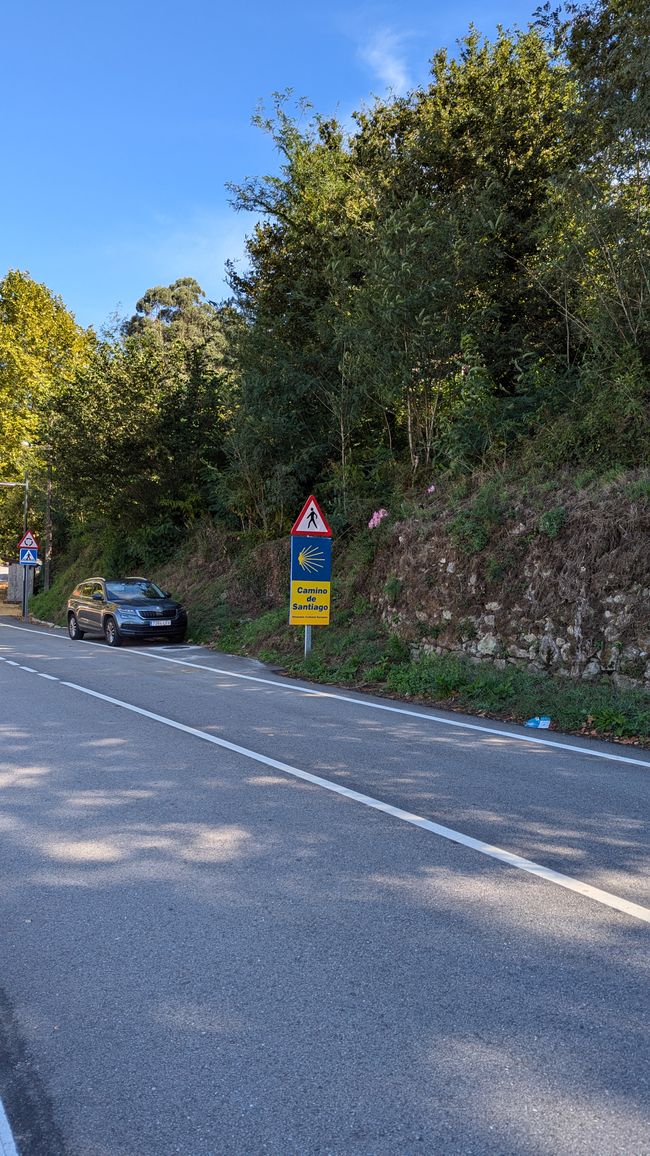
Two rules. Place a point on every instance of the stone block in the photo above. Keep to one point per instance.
(488, 645)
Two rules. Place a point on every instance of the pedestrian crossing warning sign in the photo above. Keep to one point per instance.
(311, 520)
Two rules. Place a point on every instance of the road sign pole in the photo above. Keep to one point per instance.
(307, 640)
(28, 558)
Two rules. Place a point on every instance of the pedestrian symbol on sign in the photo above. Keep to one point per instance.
(311, 520)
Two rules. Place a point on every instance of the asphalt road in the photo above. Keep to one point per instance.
(247, 915)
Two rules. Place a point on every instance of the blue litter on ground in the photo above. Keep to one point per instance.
(542, 722)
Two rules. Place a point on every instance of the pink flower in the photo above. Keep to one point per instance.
(376, 518)
(430, 489)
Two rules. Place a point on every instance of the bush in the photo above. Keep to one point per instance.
(552, 521)
(393, 589)
(472, 529)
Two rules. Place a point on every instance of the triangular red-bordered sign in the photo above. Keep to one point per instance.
(28, 541)
(311, 521)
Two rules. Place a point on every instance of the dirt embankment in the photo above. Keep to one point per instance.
(550, 579)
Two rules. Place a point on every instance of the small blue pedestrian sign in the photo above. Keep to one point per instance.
(29, 556)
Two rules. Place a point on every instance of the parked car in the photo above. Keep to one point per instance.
(122, 608)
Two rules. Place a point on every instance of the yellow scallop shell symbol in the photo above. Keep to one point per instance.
(311, 559)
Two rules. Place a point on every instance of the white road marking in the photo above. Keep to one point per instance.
(287, 686)
(7, 1144)
(585, 889)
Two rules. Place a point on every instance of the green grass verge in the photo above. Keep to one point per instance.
(357, 652)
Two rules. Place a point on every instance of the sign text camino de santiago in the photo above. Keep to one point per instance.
(311, 568)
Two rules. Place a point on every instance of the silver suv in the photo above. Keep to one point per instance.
(124, 608)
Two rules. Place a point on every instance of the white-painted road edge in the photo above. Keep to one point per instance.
(7, 1145)
(362, 702)
(576, 885)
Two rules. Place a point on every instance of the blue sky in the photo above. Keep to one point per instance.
(122, 123)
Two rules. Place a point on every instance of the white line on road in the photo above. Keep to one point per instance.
(527, 865)
(30, 670)
(361, 702)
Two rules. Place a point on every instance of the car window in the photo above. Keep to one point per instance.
(97, 589)
(133, 588)
(85, 590)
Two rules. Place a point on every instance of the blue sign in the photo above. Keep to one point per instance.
(29, 556)
(311, 559)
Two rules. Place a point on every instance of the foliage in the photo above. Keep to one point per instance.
(520, 695)
(41, 351)
(139, 432)
(471, 529)
(458, 283)
(393, 589)
(552, 521)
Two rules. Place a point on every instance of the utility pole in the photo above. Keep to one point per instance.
(25, 515)
(26, 501)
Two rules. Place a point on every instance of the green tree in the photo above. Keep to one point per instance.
(145, 423)
(42, 350)
(297, 415)
(594, 245)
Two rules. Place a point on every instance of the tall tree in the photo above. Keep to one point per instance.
(148, 417)
(299, 412)
(594, 246)
(42, 349)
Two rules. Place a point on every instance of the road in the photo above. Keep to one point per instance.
(248, 915)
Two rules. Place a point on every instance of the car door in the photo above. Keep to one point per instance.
(96, 607)
(82, 609)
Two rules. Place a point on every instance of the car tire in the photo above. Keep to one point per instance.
(111, 633)
(74, 630)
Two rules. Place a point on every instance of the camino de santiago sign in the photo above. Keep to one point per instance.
(311, 567)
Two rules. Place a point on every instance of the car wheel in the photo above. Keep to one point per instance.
(111, 633)
(74, 630)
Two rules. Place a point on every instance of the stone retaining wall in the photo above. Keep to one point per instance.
(576, 605)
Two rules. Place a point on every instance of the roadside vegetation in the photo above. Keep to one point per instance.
(235, 589)
(452, 294)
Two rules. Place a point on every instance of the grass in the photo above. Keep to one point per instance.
(599, 709)
(360, 652)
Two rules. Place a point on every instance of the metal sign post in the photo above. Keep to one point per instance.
(28, 557)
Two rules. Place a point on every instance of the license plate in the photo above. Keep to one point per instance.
(162, 622)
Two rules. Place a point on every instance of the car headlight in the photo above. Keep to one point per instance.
(127, 612)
